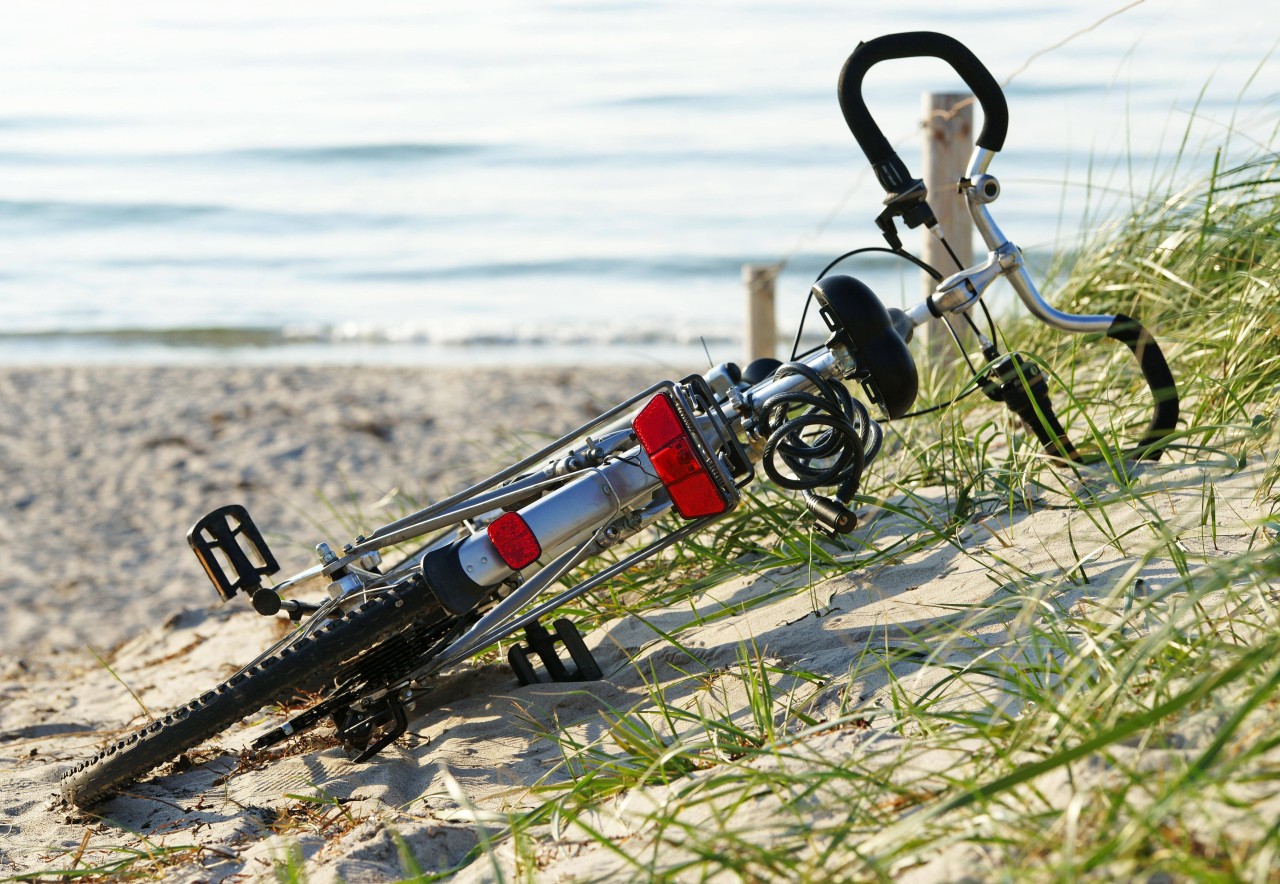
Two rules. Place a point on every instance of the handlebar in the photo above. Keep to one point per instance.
(907, 197)
(889, 168)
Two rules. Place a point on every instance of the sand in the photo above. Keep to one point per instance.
(107, 466)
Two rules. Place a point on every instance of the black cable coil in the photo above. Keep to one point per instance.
(848, 441)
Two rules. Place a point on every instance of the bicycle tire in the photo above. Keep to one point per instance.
(315, 657)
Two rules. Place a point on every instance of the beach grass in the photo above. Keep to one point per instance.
(1074, 727)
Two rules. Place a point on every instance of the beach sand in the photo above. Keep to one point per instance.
(106, 467)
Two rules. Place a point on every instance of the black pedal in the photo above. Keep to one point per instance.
(373, 732)
(542, 643)
(228, 545)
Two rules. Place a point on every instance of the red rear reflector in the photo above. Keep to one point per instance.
(657, 424)
(697, 496)
(676, 461)
(514, 541)
(693, 491)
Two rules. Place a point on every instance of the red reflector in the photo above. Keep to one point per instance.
(693, 492)
(657, 424)
(514, 541)
(675, 461)
(697, 496)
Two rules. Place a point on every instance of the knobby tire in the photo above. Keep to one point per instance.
(314, 658)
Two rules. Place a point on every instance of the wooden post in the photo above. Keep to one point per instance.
(761, 332)
(948, 143)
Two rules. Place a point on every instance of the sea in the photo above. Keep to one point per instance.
(524, 182)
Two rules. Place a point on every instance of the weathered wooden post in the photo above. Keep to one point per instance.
(948, 142)
(761, 332)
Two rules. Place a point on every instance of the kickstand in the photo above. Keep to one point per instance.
(542, 643)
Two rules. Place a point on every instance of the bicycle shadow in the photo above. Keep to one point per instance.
(974, 586)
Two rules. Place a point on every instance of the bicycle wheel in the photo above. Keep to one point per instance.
(316, 657)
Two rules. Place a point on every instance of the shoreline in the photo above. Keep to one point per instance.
(71, 351)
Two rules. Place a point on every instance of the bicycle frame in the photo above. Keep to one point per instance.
(596, 486)
(606, 494)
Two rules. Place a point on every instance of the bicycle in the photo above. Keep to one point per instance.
(483, 558)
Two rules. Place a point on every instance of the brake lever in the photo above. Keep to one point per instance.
(911, 204)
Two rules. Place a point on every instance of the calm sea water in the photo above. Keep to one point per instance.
(399, 181)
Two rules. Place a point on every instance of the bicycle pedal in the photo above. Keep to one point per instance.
(543, 644)
(372, 733)
(228, 545)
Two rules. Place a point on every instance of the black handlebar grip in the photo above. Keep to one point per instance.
(1155, 370)
(1049, 432)
(1028, 397)
(889, 168)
